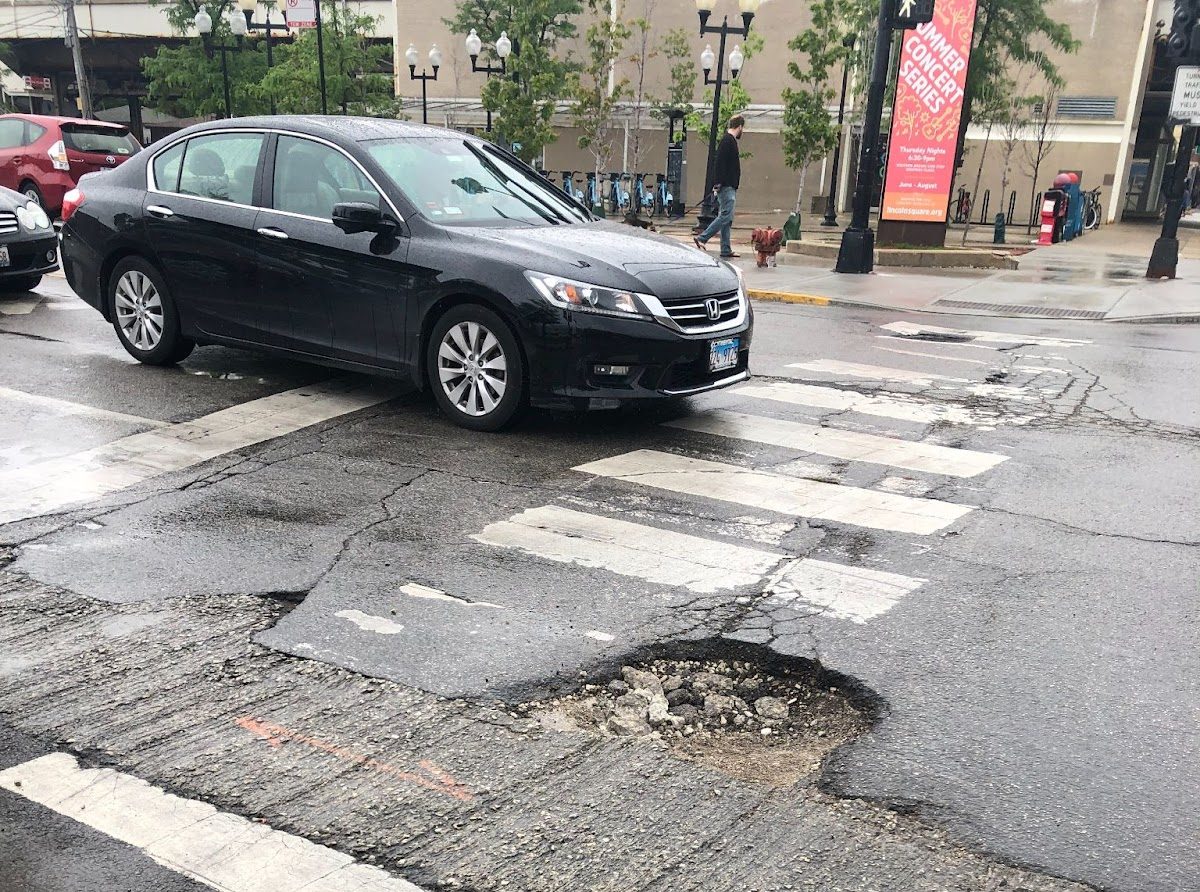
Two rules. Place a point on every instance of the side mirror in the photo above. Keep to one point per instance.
(359, 216)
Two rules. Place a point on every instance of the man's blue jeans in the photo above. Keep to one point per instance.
(723, 223)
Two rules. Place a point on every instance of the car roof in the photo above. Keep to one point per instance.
(338, 128)
(56, 119)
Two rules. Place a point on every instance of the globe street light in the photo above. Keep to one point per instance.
(237, 27)
(411, 56)
(504, 48)
(707, 59)
(247, 7)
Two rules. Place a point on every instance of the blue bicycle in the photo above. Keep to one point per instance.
(662, 195)
(618, 197)
(593, 192)
(568, 185)
(643, 196)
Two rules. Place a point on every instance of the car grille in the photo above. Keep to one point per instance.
(690, 313)
(8, 222)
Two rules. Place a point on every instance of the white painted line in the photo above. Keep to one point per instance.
(969, 344)
(841, 592)
(221, 850)
(874, 372)
(630, 549)
(987, 337)
(1038, 369)
(64, 407)
(371, 623)
(937, 356)
(602, 637)
(416, 590)
(794, 496)
(849, 445)
(70, 480)
(899, 407)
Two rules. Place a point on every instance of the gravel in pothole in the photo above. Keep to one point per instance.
(731, 715)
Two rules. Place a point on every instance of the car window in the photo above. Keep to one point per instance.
(166, 168)
(99, 140)
(221, 166)
(33, 132)
(310, 178)
(12, 133)
(459, 182)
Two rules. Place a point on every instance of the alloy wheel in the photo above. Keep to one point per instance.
(473, 368)
(139, 310)
(33, 195)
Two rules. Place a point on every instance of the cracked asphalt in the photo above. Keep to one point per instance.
(1037, 680)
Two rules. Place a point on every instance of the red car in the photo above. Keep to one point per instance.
(44, 157)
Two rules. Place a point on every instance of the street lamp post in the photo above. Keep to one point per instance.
(707, 58)
(247, 7)
(237, 27)
(503, 49)
(435, 61)
(830, 204)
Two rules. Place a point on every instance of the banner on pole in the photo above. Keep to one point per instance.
(302, 13)
(926, 114)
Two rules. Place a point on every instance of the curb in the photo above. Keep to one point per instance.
(789, 297)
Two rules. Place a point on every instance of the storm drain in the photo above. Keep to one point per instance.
(1048, 312)
(732, 715)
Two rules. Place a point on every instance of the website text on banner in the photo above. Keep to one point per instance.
(929, 98)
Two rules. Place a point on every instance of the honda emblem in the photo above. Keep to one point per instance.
(712, 306)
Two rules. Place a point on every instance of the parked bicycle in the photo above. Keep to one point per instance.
(662, 195)
(618, 196)
(593, 192)
(962, 207)
(1093, 211)
(643, 197)
(568, 185)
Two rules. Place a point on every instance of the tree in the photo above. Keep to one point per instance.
(595, 91)
(523, 101)
(1013, 126)
(355, 78)
(1044, 127)
(676, 46)
(992, 108)
(1010, 33)
(644, 52)
(186, 81)
(808, 132)
(735, 98)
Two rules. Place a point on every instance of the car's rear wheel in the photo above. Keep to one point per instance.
(144, 315)
(475, 368)
(24, 283)
(32, 192)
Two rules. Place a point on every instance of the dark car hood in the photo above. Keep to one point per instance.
(610, 254)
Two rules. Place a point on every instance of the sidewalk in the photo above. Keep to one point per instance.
(1099, 276)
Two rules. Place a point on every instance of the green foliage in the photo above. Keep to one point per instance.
(595, 104)
(355, 82)
(523, 102)
(808, 133)
(676, 46)
(735, 98)
(187, 82)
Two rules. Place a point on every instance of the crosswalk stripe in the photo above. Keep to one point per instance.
(874, 372)
(61, 482)
(937, 356)
(899, 407)
(839, 591)
(630, 549)
(65, 407)
(794, 496)
(989, 337)
(849, 445)
(221, 850)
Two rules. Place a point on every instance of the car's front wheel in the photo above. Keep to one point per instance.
(144, 315)
(475, 368)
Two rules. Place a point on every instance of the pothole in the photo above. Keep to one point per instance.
(766, 725)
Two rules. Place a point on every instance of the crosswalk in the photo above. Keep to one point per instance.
(828, 395)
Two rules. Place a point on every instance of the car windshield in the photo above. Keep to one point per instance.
(459, 182)
(101, 140)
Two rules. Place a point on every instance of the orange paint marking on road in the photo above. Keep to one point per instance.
(434, 778)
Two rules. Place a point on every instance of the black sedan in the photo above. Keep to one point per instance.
(394, 248)
(28, 245)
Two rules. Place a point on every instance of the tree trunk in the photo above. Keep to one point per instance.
(978, 179)
(800, 191)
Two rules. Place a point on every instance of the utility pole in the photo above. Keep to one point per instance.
(72, 40)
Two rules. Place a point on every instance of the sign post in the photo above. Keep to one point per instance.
(925, 122)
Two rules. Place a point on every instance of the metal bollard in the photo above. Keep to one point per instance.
(998, 230)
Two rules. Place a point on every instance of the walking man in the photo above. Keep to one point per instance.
(727, 176)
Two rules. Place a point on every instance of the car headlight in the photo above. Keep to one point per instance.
(583, 296)
(24, 217)
(40, 220)
(741, 277)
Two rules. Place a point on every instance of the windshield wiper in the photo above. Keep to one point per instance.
(542, 210)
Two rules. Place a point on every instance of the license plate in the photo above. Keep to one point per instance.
(5, 260)
(722, 354)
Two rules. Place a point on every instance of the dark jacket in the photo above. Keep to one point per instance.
(728, 170)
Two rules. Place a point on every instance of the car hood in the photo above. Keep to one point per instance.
(610, 254)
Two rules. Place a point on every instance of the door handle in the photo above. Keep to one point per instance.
(159, 211)
(272, 232)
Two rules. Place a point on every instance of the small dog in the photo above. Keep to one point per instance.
(766, 242)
